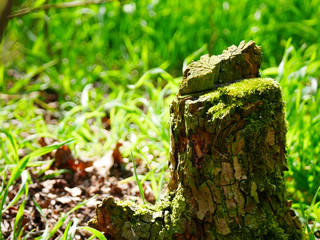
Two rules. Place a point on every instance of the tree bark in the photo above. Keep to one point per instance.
(227, 157)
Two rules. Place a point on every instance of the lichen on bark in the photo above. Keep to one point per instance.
(226, 159)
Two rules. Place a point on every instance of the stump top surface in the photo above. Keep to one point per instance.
(233, 64)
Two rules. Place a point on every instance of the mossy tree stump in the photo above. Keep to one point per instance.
(227, 157)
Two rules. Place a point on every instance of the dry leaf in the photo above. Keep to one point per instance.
(65, 160)
(117, 157)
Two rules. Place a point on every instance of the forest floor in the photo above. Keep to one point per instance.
(57, 188)
(58, 195)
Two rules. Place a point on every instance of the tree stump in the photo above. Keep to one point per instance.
(227, 157)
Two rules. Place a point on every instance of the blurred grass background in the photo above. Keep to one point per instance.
(123, 60)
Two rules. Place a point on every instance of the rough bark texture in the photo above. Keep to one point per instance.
(227, 160)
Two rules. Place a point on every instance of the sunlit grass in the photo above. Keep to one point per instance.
(124, 61)
(297, 74)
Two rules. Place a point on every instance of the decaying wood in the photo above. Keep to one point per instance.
(227, 157)
(233, 64)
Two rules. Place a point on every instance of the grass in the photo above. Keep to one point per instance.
(123, 61)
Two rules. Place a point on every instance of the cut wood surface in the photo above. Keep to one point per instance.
(227, 157)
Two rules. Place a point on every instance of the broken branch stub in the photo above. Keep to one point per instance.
(227, 158)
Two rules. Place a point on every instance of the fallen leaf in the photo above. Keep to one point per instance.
(45, 141)
(116, 155)
(79, 166)
(63, 157)
(65, 160)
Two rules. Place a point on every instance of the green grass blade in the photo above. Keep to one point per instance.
(4, 177)
(137, 179)
(95, 232)
(144, 80)
(14, 175)
(17, 171)
(13, 145)
(154, 184)
(63, 218)
(7, 160)
(66, 231)
(23, 190)
(73, 229)
(47, 149)
(160, 186)
(28, 235)
(19, 217)
(192, 56)
(307, 216)
(69, 232)
(304, 217)
(313, 201)
(46, 229)
(18, 221)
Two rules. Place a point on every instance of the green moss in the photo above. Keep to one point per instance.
(228, 98)
(179, 213)
(273, 231)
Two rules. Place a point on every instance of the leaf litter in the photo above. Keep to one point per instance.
(59, 187)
